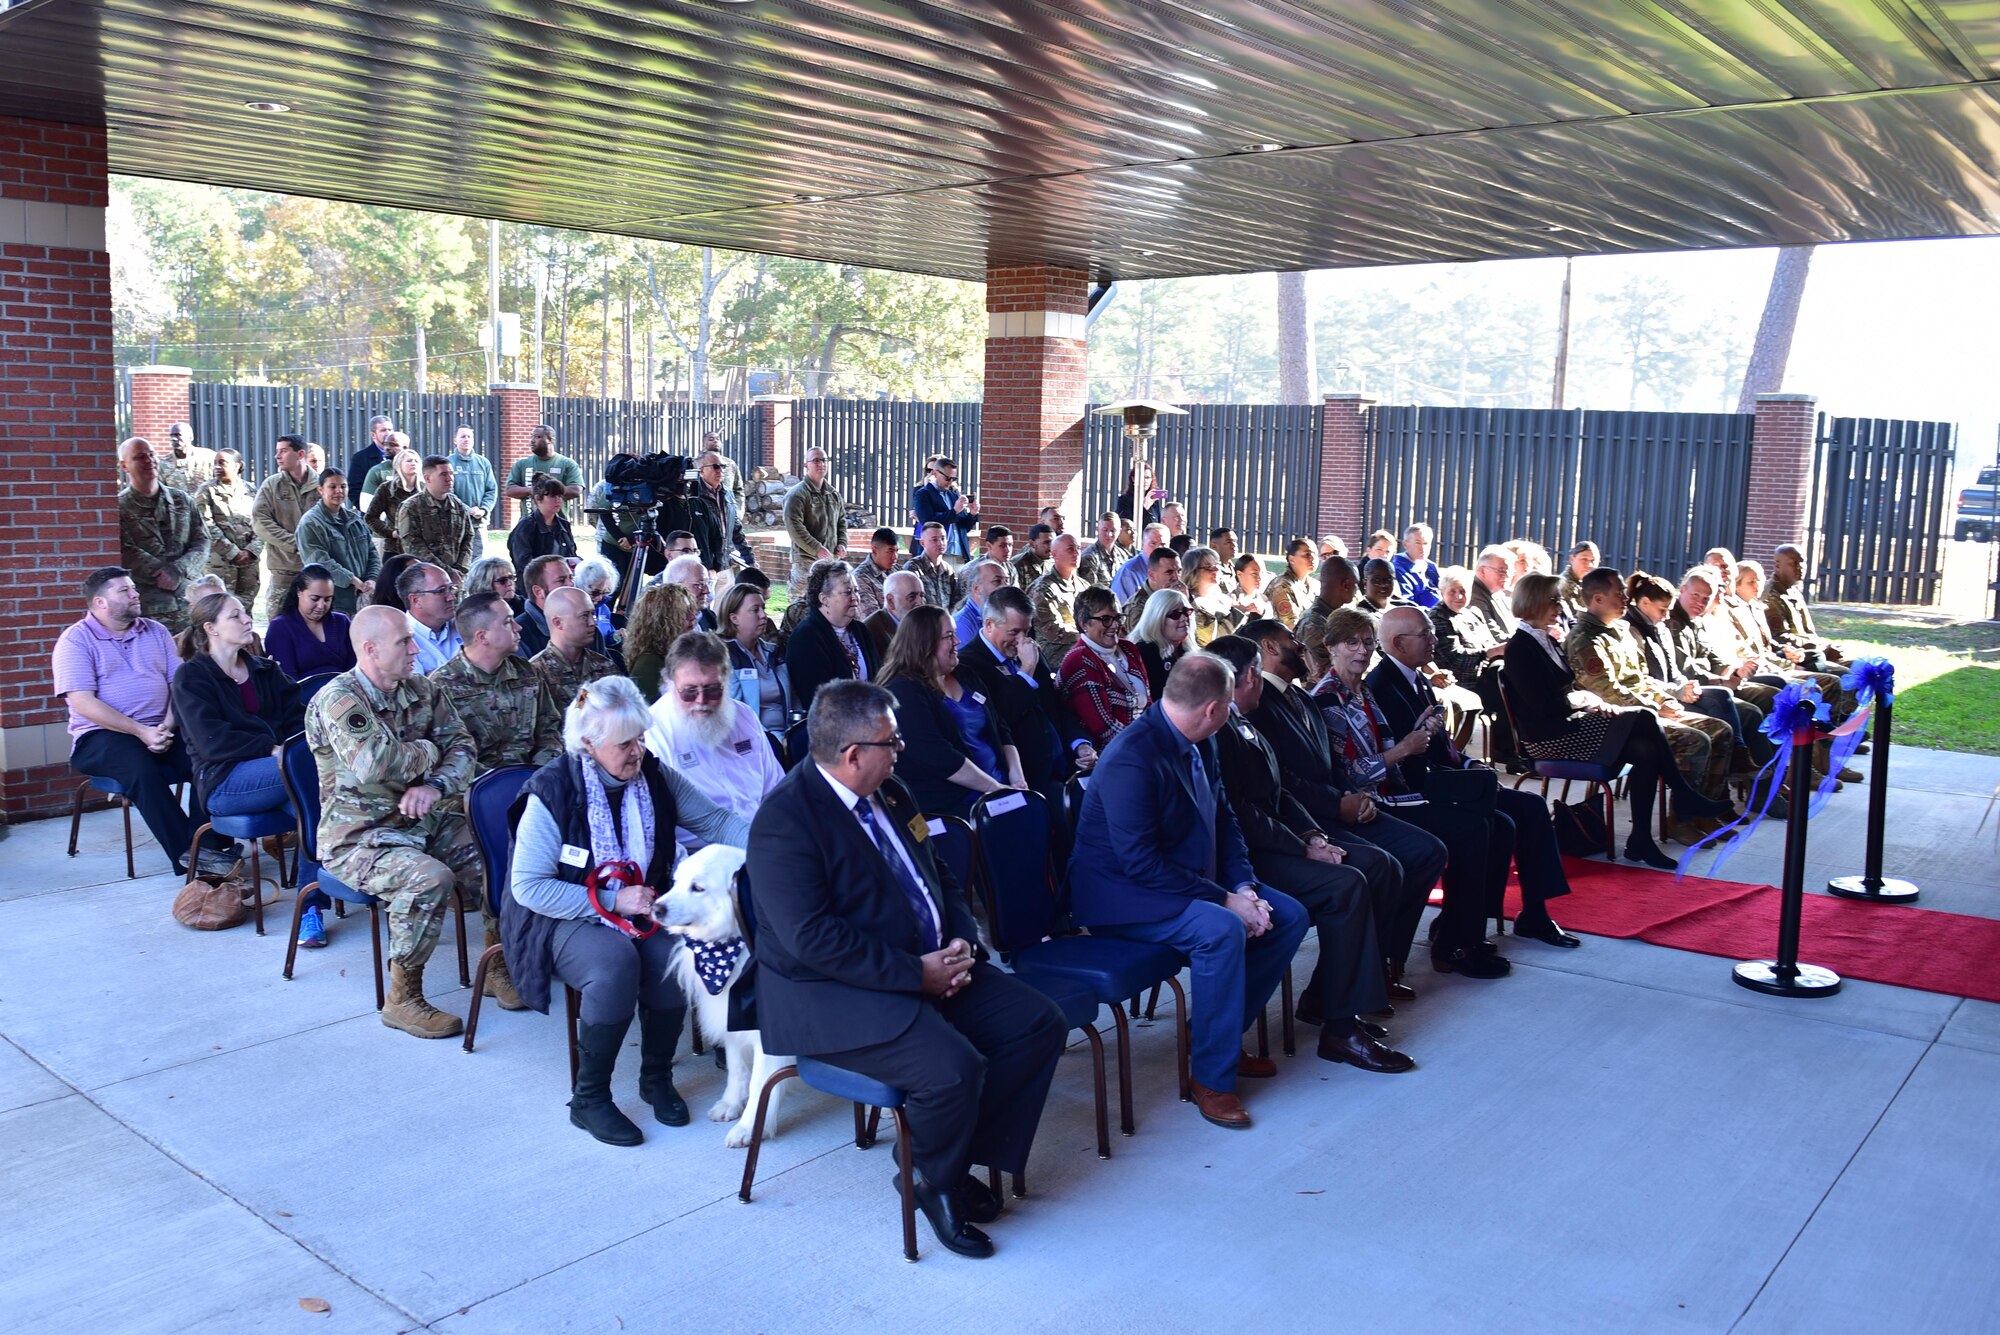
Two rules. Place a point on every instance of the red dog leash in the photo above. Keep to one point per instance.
(602, 886)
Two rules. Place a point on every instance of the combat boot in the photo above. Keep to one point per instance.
(408, 1011)
(500, 983)
(590, 1105)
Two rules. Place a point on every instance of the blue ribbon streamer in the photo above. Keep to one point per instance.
(1797, 708)
(1871, 679)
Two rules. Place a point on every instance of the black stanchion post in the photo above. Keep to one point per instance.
(1871, 884)
(1785, 976)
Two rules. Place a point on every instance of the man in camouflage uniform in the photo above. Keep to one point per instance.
(434, 526)
(1033, 562)
(1098, 563)
(184, 466)
(161, 538)
(507, 708)
(1337, 587)
(1609, 663)
(391, 750)
(282, 500)
(569, 663)
(1791, 620)
(941, 583)
(869, 574)
(233, 544)
(1053, 597)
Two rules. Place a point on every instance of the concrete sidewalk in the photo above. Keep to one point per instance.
(1613, 1138)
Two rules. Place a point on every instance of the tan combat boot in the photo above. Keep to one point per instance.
(408, 1011)
(500, 983)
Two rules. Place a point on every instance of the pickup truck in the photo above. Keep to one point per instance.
(1979, 509)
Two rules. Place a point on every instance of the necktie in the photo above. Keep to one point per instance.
(920, 903)
(1430, 701)
(1204, 802)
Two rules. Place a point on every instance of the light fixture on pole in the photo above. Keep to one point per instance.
(1142, 423)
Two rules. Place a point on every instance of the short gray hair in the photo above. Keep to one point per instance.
(843, 713)
(595, 576)
(1457, 575)
(484, 571)
(603, 709)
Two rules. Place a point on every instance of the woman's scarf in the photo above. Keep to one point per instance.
(635, 845)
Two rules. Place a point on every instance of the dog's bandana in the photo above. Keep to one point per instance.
(715, 961)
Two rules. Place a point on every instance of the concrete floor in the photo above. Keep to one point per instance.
(1614, 1139)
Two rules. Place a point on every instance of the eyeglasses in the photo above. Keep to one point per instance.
(1182, 615)
(448, 590)
(1108, 619)
(498, 580)
(895, 742)
(708, 694)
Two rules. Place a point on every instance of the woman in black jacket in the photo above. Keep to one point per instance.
(235, 711)
(1557, 721)
(828, 643)
(955, 746)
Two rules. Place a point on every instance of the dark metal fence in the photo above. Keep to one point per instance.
(250, 418)
(1253, 467)
(1653, 490)
(879, 448)
(1878, 509)
(590, 431)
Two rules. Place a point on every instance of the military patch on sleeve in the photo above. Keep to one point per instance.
(1593, 664)
(358, 721)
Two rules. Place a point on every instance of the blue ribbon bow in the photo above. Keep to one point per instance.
(1871, 679)
(1798, 708)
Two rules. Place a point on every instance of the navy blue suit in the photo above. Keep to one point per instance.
(932, 504)
(1157, 853)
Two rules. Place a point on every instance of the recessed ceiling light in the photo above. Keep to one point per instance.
(1262, 148)
(808, 199)
(266, 106)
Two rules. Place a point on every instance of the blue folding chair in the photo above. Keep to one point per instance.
(301, 775)
(1020, 898)
(798, 745)
(110, 788)
(310, 686)
(778, 749)
(862, 1092)
(1073, 801)
(254, 827)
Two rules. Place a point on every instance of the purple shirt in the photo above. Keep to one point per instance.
(301, 653)
(132, 672)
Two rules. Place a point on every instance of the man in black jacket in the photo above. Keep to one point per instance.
(865, 961)
(1298, 735)
(1006, 668)
(1519, 831)
(1289, 851)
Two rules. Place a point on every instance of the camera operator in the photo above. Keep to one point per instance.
(543, 530)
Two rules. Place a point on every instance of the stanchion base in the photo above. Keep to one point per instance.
(1888, 890)
(1805, 980)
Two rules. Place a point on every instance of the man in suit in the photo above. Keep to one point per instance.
(902, 591)
(1290, 851)
(865, 961)
(1005, 667)
(1159, 859)
(1295, 730)
(1519, 831)
(938, 501)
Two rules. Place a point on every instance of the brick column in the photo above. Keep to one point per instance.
(1343, 446)
(1031, 425)
(520, 413)
(159, 399)
(1778, 507)
(774, 417)
(56, 390)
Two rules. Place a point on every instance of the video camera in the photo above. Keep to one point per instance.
(632, 481)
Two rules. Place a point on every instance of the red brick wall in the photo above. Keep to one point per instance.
(774, 417)
(1781, 457)
(159, 399)
(1031, 427)
(1342, 455)
(56, 397)
(520, 413)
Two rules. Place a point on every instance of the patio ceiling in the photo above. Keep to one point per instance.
(1133, 140)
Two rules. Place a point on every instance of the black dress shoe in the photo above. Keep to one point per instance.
(1375, 1031)
(1357, 1048)
(976, 1202)
(1650, 854)
(1471, 963)
(1545, 929)
(949, 1223)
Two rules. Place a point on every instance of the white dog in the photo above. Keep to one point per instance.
(701, 910)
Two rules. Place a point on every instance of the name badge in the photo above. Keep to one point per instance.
(572, 856)
(978, 699)
(920, 829)
(687, 759)
(746, 674)
(935, 826)
(1000, 806)
(743, 747)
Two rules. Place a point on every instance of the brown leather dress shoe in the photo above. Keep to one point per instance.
(1257, 1068)
(1217, 1106)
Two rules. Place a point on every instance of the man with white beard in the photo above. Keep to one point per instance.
(714, 741)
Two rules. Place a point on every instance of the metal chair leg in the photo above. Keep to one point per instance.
(486, 958)
(874, 1128)
(1288, 1031)
(464, 964)
(76, 815)
(906, 1181)
(756, 1128)
(1153, 1001)
(1097, 1089)
(573, 1016)
(860, 1127)
(375, 940)
(131, 868)
(1125, 1123)
(1181, 1039)
(298, 912)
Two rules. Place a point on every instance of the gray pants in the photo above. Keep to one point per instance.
(613, 972)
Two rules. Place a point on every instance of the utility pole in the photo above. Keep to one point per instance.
(493, 301)
(541, 296)
(1558, 390)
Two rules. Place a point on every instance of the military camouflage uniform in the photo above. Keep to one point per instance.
(226, 512)
(1699, 658)
(1610, 664)
(371, 747)
(564, 678)
(941, 588)
(438, 532)
(188, 472)
(1094, 567)
(162, 532)
(1792, 627)
(1026, 568)
(1751, 634)
(1054, 601)
(275, 514)
(1291, 597)
(509, 712)
(868, 579)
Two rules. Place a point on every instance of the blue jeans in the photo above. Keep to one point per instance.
(1234, 973)
(250, 787)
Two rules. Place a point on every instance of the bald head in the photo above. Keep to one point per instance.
(1406, 635)
(901, 592)
(385, 650)
(572, 626)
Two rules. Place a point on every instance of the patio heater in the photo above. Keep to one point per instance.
(1142, 423)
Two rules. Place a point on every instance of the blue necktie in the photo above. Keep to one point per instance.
(920, 903)
(1204, 801)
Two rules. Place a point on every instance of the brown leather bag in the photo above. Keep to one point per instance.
(211, 907)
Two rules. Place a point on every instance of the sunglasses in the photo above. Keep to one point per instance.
(709, 694)
(1181, 615)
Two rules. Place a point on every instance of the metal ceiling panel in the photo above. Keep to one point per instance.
(1115, 137)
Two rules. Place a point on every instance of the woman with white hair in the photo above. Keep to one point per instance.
(594, 846)
(598, 578)
(494, 575)
(1163, 635)
(1215, 612)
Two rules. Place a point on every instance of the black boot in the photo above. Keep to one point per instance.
(659, 1035)
(590, 1106)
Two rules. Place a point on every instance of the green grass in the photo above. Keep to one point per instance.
(1947, 677)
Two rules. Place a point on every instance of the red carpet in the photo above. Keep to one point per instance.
(1952, 953)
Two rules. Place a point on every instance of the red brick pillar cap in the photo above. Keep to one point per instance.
(184, 371)
(1788, 398)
